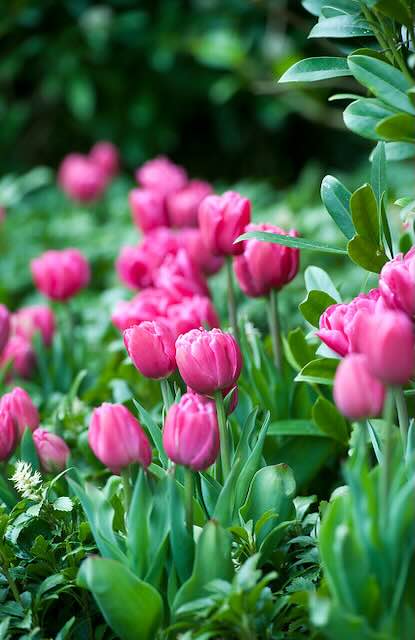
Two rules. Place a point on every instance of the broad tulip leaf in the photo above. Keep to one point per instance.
(289, 241)
(313, 69)
(314, 305)
(336, 199)
(400, 127)
(366, 254)
(139, 525)
(343, 26)
(330, 421)
(131, 607)
(319, 371)
(295, 428)
(365, 213)
(362, 117)
(182, 543)
(383, 80)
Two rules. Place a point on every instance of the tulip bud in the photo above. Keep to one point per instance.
(106, 156)
(357, 393)
(148, 209)
(19, 356)
(387, 340)
(81, 178)
(183, 206)
(181, 277)
(232, 401)
(149, 304)
(199, 254)
(19, 405)
(397, 283)
(8, 438)
(162, 175)
(59, 275)
(191, 433)
(27, 321)
(150, 346)
(222, 219)
(264, 265)
(4, 326)
(52, 450)
(117, 438)
(208, 360)
(192, 313)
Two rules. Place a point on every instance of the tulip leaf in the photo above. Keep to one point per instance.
(330, 420)
(154, 431)
(314, 305)
(319, 371)
(182, 543)
(313, 69)
(138, 525)
(336, 199)
(290, 241)
(297, 349)
(28, 450)
(295, 428)
(131, 607)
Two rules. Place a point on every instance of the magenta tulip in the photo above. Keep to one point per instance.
(52, 450)
(106, 156)
(4, 326)
(357, 393)
(19, 356)
(183, 206)
(148, 209)
(208, 360)
(192, 313)
(192, 241)
(191, 434)
(149, 304)
(397, 283)
(19, 405)
(222, 219)
(81, 178)
(151, 348)
(8, 439)
(181, 277)
(162, 175)
(59, 275)
(37, 318)
(117, 438)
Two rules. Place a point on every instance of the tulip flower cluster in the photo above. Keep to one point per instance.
(84, 178)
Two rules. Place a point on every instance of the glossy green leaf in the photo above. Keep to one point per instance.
(154, 431)
(362, 117)
(329, 420)
(300, 351)
(378, 177)
(396, 151)
(131, 607)
(319, 371)
(289, 241)
(317, 279)
(313, 69)
(314, 305)
(400, 127)
(182, 543)
(313, 6)
(295, 428)
(345, 26)
(383, 80)
(366, 254)
(365, 213)
(138, 525)
(336, 199)
(399, 10)
(28, 449)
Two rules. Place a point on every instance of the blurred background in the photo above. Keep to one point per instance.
(194, 79)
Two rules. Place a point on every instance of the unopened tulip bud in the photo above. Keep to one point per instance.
(81, 178)
(200, 255)
(19, 356)
(150, 346)
(192, 313)
(162, 175)
(181, 277)
(357, 393)
(28, 320)
(148, 209)
(117, 438)
(4, 326)
(19, 405)
(191, 433)
(183, 206)
(208, 360)
(8, 439)
(149, 304)
(59, 275)
(222, 219)
(106, 156)
(52, 450)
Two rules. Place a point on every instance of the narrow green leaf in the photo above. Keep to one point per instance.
(154, 430)
(314, 69)
(289, 241)
(28, 450)
(378, 177)
(336, 199)
(295, 428)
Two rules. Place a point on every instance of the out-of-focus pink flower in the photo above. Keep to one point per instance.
(192, 313)
(357, 393)
(18, 354)
(192, 242)
(162, 175)
(397, 283)
(183, 206)
(150, 346)
(181, 277)
(52, 450)
(8, 438)
(149, 304)
(148, 209)
(106, 156)
(117, 438)
(26, 321)
(19, 405)
(222, 219)
(264, 265)
(339, 323)
(59, 275)
(4, 326)
(191, 433)
(208, 360)
(81, 179)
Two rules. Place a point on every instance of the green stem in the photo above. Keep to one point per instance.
(224, 440)
(274, 327)
(402, 410)
(188, 498)
(231, 298)
(166, 393)
(388, 416)
(126, 476)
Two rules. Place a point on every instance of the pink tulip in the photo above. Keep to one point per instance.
(19, 356)
(59, 275)
(339, 323)
(149, 304)
(191, 433)
(183, 206)
(162, 175)
(150, 346)
(181, 277)
(386, 338)
(52, 450)
(148, 209)
(222, 219)
(81, 178)
(19, 405)
(106, 156)
(4, 326)
(208, 360)
(28, 320)
(264, 265)
(233, 399)
(357, 393)
(192, 313)
(192, 241)
(397, 283)
(8, 438)
(117, 438)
